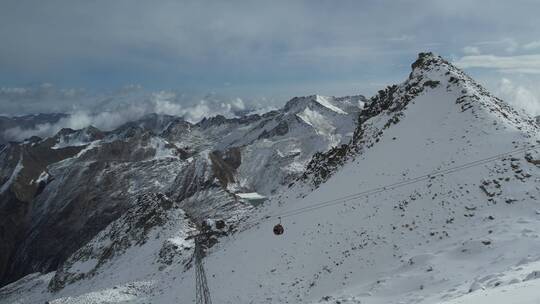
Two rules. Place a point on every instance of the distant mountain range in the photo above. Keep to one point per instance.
(26, 122)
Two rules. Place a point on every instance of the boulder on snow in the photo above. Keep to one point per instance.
(533, 157)
(476, 286)
(532, 276)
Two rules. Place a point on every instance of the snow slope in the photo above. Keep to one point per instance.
(466, 236)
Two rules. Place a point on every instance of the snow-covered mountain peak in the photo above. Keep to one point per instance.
(67, 137)
(431, 69)
(447, 98)
(324, 103)
(155, 123)
(427, 59)
(433, 75)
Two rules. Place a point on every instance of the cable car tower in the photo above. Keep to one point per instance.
(202, 293)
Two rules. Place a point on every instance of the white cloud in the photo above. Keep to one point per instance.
(519, 96)
(107, 120)
(471, 50)
(167, 102)
(238, 103)
(41, 98)
(110, 111)
(18, 133)
(509, 45)
(164, 103)
(532, 45)
(527, 64)
(402, 38)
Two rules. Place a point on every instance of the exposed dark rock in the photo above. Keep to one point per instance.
(432, 83)
(281, 129)
(218, 120)
(154, 123)
(150, 212)
(177, 129)
(533, 157)
(224, 165)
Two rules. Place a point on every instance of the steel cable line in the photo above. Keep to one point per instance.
(392, 186)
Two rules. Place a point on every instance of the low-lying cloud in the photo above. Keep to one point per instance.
(526, 64)
(109, 112)
(166, 102)
(519, 96)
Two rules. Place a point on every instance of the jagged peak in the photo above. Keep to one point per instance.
(430, 65)
(430, 69)
(426, 59)
(219, 119)
(213, 120)
(295, 101)
(90, 130)
(65, 131)
(335, 104)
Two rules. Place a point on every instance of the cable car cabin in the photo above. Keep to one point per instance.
(278, 229)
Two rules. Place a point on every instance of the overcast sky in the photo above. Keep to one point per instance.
(53, 53)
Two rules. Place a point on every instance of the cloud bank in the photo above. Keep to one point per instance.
(528, 64)
(519, 96)
(252, 50)
(111, 111)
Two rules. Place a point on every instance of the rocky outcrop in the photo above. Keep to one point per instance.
(151, 214)
(533, 157)
(281, 129)
(224, 165)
